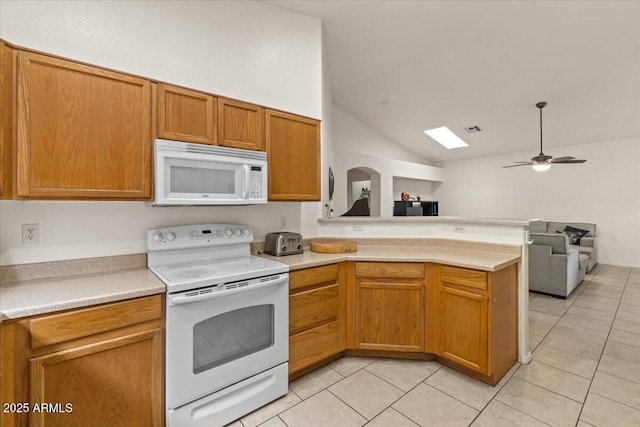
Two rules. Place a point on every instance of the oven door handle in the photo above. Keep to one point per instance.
(176, 300)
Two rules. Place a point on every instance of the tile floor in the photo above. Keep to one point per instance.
(585, 372)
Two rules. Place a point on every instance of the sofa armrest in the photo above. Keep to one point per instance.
(591, 242)
(588, 242)
(559, 243)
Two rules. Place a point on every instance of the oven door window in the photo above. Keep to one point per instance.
(232, 335)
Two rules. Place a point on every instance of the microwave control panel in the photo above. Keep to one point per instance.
(256, 183)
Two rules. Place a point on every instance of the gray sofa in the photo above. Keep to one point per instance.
(556, 267)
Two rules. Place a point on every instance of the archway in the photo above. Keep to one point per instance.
(364, 182)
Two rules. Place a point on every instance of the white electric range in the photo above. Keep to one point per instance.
(227, 320)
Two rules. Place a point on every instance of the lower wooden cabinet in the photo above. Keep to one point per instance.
(98, 366)
(389, 306)
(478, 319)
(316, 317)
(464, 328)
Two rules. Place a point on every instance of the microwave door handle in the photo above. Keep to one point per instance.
(247, 184)
(220, 294)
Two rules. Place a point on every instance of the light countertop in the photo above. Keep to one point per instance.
(511, 222)
(469, 258)
(39, 296)
(28, 296)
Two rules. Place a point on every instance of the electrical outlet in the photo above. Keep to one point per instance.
(458, 228)
(30, 233)
(358, 227)
(283, 222)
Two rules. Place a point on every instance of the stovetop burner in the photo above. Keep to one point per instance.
(183, 259)
(191, 274)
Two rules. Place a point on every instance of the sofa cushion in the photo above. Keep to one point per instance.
(575, 233)
(582, 249)
(552, 227)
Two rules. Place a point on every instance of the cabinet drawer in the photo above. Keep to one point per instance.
(401, 270)
(313, 308)
(463, 276)
(312, 346)
(312, 276)
(67, 326)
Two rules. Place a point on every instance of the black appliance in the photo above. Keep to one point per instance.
(413, 208)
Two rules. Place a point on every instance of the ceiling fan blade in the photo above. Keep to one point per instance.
(559, 159)
(521, 164)
(566, 161)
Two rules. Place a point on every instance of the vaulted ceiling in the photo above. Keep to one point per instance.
(405, 66)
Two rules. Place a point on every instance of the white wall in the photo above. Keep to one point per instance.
(415, 187)
(240, 49)
(74, 229)
(245, 50)
(605, 190)
(356, 145)
(352, 135)
(311, 211)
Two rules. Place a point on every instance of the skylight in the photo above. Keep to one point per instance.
(445, 137)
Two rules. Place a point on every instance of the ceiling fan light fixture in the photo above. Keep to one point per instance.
(542, 162)
(541, 167)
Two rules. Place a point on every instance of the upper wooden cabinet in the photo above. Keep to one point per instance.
(389, 306)
(240, 125)
(7, 61)
(82, 132)
(293, 153)
(186, 115)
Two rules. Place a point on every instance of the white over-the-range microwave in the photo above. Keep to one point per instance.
(197, 174)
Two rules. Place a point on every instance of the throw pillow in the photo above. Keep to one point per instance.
(574, 238)
(575, 233)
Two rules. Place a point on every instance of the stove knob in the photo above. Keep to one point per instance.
(158, 237)
(247, 232)
(228, 232)
(171, 236)
(238, 232)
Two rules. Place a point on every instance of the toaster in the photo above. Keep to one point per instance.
(283, 243)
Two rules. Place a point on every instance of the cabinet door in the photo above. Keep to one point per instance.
(114, 382)
(6, 116)
(186, 115)
(240, 125)
(463, 328)
(389, 314)
(293, 153)
(82, 132)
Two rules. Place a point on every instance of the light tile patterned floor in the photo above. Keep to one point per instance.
(585, 372)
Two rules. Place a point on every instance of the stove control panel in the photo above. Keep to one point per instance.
(198, 235)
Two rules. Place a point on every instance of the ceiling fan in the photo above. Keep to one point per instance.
(542, 162)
